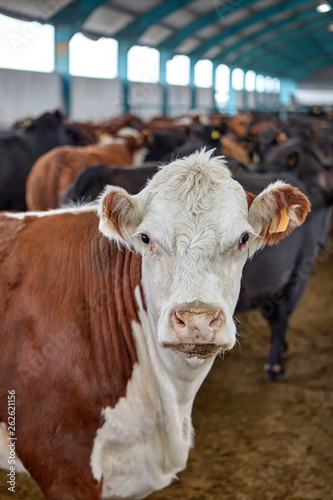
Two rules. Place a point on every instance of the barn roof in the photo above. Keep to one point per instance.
(286, 38)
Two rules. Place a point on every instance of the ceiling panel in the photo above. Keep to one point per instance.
(179, 18)
(137, 6)
(107, 20)
(189, 44)
(32, 9)
(155, 35)
(220, 18)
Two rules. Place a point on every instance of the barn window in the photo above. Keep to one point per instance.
(250, 81)
(269, 84)
(96, 59)
(178, 70)
(237, 79)
(222, 86)
(203, 74)
(276, 85)
(143, 64)
(26, 46)
(260, 83)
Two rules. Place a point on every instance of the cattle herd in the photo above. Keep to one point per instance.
(125, 249)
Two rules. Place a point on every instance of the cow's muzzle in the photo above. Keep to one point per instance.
(197, 329)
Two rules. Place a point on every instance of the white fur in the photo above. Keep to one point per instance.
(139, 154)
(146, 438)
(195, 214)
(89, 207)
(4, 451)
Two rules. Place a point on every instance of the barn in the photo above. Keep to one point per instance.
(114, 93)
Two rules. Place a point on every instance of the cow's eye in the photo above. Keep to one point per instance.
(145, 239)
(244, 238)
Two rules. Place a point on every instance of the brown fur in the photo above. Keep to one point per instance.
(287, 197)
(239, 124)
(250, 197)
(66, 342)
(56, 170)
(235, 148)
(119, 207)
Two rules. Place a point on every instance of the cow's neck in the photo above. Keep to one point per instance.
(184, 376)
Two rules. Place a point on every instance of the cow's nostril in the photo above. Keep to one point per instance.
(214, 320)
(179, 321)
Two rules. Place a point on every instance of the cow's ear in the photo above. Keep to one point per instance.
(119, 214)
(276, 212)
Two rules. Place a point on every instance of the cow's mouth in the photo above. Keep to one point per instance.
(202, 351)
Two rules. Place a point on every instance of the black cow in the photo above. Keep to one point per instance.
(275, 279)
(163, 142)
(198, 137)
(301, 156)
(91, 181)
(20, 149)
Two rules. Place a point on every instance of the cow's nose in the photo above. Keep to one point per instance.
(197, 324)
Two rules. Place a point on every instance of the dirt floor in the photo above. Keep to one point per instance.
(258, 440)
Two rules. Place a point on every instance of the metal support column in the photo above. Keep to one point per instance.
(192, 84)
(62, 36)
(123, 48)
(67, 22)
(165, 55)
(215, 65)
(232, 104)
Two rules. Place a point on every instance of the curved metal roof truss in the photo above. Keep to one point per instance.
(286, 38)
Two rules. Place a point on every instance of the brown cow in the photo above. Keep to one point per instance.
(56, 170)
(235, 148)
(106, 338)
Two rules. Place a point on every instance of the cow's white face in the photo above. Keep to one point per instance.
(193, 258)
(192, 227)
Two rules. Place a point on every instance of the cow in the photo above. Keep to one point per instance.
(164, 142)
(20, 148)
(112, 317)
(90, 182)
(198, 137)
(56, 170)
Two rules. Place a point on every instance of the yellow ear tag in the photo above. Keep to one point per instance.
(283, 224)
(215, 134)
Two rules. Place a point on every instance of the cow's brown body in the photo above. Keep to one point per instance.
(56, 170)
(67, 346)
(106, 349)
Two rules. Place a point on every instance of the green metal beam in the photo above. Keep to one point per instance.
(260, 16)
(123, 48)
(67, 22)
(135, 29)
(273, 29)
(301, 70)
(310, 68)
(192, 85)
(62, 67)
(73, 16)
(294, 50)
(164, 57)
(278, 36)
(173, 41)
(292, 58)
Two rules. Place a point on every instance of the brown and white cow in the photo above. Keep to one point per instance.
(111, 318)
(54, 171)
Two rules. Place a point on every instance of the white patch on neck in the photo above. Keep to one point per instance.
(89, 207)
(5, 455)
(146, 437)
(139, 156)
